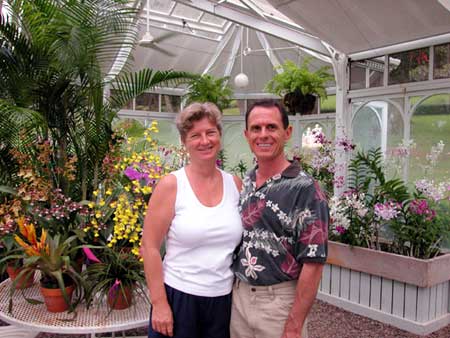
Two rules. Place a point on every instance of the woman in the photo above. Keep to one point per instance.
(195, 209)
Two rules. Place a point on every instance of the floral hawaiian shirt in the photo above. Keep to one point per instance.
(285, 225)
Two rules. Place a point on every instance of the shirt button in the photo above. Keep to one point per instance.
(253, 289)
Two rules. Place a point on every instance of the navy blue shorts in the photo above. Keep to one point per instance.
(197, 316)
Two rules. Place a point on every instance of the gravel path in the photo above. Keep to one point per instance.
(326, 321)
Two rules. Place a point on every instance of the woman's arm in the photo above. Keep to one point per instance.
(160, 212)
(238, 182)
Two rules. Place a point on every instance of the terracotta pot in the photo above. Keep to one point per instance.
(119, 298)
(54, 299)
(25, 280)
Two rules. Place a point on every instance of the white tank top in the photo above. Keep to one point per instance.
(201, 240)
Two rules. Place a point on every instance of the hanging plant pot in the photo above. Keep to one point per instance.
(25, 281)
(120, 297)
(54, 299)
(297, 103)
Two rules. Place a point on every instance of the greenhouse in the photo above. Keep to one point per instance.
(90, 94)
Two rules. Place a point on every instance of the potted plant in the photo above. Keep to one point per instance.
(207, 88)
(298, 86)
(11, 264)
(389, 263)
(55, 91)
(134, 166)
(386, 258)
(51, 256)
(118, 277)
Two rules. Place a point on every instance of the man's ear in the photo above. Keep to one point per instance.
(246, 134)
(288, 132)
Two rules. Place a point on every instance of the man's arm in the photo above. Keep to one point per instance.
(307, 286)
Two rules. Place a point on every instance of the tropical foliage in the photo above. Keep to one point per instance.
(207, 88)
(57, 62)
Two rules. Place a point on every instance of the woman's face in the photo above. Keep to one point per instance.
(203, 140)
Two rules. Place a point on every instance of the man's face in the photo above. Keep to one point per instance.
(265, 133)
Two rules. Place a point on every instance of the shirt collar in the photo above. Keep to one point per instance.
(290, 172)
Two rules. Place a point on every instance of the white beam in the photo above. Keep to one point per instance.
(196, 34)
(220, 49)
(400, 47)
(234, 51)
(269, 51)
(343, 123)
(254, 7)
(179, 22)
(238, 16)
(322, 57)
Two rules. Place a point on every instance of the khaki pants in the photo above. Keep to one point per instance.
(261, 311)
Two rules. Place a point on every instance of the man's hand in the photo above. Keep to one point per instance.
(293, 328)
(292, 331)
(162, 319)
(307, 286)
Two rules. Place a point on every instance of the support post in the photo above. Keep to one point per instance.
(343, 116)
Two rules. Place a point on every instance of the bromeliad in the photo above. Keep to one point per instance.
(33, 247)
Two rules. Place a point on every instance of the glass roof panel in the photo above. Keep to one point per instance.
(269, 10)
(213, 20)
(264, 8)
(162, 6)
(183, 11)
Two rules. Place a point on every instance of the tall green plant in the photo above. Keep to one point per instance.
(57, 60)
(207, 88)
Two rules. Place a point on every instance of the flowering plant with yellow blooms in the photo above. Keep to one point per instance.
(135, 166)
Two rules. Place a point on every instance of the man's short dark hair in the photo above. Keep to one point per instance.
(268, 103)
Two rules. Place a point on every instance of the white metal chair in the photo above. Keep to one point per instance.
(12, 331)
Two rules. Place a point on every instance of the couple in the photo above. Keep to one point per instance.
(278, 225)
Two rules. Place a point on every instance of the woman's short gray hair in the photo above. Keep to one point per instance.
(195, 112)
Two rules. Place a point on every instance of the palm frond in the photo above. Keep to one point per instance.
(130, 85)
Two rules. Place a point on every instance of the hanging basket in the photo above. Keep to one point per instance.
(297, 103)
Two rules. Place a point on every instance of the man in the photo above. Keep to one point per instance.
(285, 218)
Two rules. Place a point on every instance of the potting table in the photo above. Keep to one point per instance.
(97, 319)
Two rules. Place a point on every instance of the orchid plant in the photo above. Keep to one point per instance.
(320, 161)
(383, 214)
(134, 167)
(38, 198)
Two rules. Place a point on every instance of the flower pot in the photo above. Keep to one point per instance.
(25, 280)
(119, 298)
(409, 293)
(54, 299)
(296, 102)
